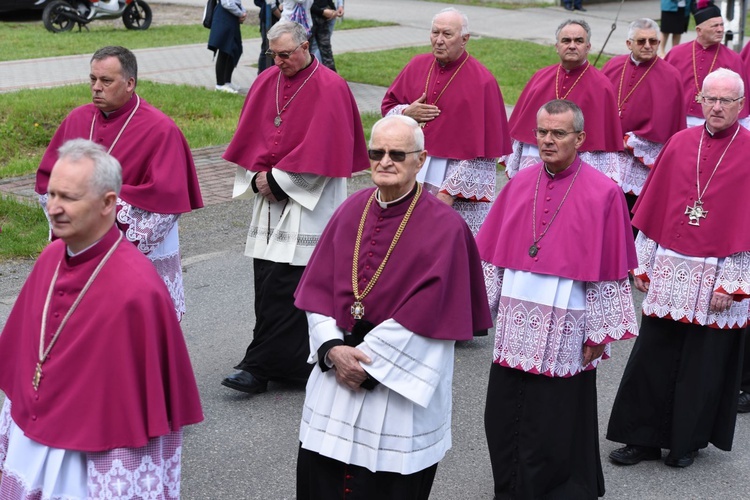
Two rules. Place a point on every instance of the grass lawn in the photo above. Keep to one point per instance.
(23, 229)
(23, 40)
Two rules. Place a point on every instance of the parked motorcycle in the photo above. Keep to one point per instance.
(61, 15)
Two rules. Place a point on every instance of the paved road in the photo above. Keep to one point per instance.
(246, 448)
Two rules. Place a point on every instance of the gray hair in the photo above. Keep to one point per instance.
(418, 135)
(107, 175)
(725, 74)
(453, 10)
(643, 23)
(298, 32)
(562, 106)
(126, 58)
(580, 22)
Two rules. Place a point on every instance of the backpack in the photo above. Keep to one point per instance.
(208, 13)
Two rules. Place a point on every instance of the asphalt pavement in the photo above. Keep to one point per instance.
(246, 448)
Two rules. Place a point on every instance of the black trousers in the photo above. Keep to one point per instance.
(280, 345)
(224, 68)
(745, 384)
(323, 478)
(543, 435)
(679, 389)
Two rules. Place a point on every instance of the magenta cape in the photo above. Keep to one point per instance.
(590, 240)
(158, 173)
(593, 94)
(320, 133)
(654, 111)
(432, 284)
(472, 121)
(681, 57)
(670, 188)
(119, 373)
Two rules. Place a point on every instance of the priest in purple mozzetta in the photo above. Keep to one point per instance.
(557, 247)
(680, 387)
(159, 178)
(459, 105)
(93, 363)
(577, 80)
(299, 138)
(395, 281)
(649, 99)
(696, 59)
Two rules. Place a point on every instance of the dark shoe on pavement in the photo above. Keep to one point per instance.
(581, 9)
(743, 404)
(631, 454)
(685, 460)
(568, 7)
(245, 382)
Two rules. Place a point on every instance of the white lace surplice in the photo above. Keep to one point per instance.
(636, 162)
(544, 321)
(681, 286)
(403, 424)
(287, 231)
(32, 470)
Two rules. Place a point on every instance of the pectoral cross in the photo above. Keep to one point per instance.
(698, 98)
(37, 376)
(358, 310)
(695, 213)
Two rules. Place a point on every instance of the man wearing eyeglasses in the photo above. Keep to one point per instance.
(459, 105)
(557, 247)
(299, 138)
(577, 80)
(383, 323)
(649, 99)
(696, 59)
(680, 386)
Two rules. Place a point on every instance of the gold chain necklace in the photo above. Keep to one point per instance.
(358, 309)
(43, 353)
(93, 121)
(695, 72)
(534, 248)
(429, 74)
(621, 102)
(277, 120)
(557, 82)
(696, 212)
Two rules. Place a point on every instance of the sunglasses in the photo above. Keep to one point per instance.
(642, 41)
(281, 55)
(396, 156)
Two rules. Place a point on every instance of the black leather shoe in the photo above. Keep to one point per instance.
(685, 460)
(743, 403)
(631, 454)
(581, 9)
(245, 382)
(568, 7)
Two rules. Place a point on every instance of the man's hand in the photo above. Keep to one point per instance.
(340, 11)
(445, 198)
(720, 302)
(261, 182)
(420, 111)
(591, 352)
(640, 284)
(329, 14)
(346, 360)
(243, 17)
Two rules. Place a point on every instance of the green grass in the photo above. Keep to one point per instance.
(498, 4)
(512, 62)
(29, 118)
(23, 229)
(24, 40)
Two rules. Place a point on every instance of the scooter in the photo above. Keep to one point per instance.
(61, 15)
